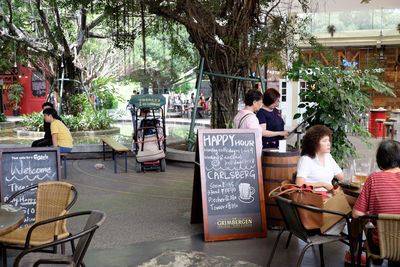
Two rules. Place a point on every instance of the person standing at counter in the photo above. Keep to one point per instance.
(270, 120)
(60, 134)
(246, 117)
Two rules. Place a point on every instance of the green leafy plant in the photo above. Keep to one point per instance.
(3, 117)
(229, 125)
(106, 93)
(78, 104)
(339, 97)
(33, 122)
(88, 120)
(15, 95)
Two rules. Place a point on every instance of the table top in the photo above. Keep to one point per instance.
(10, 219)
(351, 191)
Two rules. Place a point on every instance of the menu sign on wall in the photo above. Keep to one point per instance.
(39, 85)
(23, 167)
(231, 184)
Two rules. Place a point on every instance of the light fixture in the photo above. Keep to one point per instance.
(29, 64)
(15, 64)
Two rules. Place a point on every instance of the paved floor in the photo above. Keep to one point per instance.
(148, 224)
(148, 221)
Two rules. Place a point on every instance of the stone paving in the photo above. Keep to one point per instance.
(148, 220)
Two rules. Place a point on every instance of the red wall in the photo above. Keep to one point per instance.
(30, 103)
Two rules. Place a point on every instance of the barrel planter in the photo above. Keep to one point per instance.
(277, 167)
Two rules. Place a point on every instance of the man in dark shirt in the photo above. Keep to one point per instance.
(46, 141)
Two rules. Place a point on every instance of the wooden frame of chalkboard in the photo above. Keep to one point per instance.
(231, 184)
(22, 167)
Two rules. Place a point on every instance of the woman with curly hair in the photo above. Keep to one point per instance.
(316, 166)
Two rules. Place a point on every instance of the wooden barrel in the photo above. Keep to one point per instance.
(277, 167)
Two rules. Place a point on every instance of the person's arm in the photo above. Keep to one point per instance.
(300, 181)
(268, 133)
(356, 213)
(340, 176)
(54, 138)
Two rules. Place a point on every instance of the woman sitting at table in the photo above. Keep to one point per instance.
(316, 166)
(270, 120)
(60, 134)
(381, 191)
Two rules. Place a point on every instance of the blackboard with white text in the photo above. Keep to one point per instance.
(231, 184)
(22, 167)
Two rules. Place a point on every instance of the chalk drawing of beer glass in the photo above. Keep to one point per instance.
(246, 193)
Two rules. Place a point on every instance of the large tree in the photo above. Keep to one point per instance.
(55, 32)
(229, 35)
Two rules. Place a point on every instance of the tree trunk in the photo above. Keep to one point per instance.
(225, 91)
(224, 101)
(69, 88)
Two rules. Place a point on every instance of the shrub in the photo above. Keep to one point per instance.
(3, 117)
(88, 120)
(33, 122)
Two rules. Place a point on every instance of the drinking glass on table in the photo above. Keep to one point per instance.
(348, 174)
(362, 168)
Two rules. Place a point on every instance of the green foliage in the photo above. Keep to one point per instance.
(339, 97)
(183, 88)
(169, 55)
(3, 117)
(88, 120)
(33, 122)
(106, 93)
(229, 125)
(15, 95)
(78, 103)
(192, 142)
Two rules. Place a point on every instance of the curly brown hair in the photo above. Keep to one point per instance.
(310, 141)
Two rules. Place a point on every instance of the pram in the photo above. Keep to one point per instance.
(149, 142)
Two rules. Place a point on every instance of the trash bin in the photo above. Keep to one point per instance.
(379, 113)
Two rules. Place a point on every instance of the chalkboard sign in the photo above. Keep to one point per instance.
(231, 184)
(37, 76)
(39, 88)
(22, 167)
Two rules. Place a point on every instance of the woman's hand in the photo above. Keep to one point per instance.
(284, 133)
(327, 186)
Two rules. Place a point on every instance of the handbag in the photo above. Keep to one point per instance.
(306, 196)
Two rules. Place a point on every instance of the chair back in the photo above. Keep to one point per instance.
(389, 236)
(54, 199)
(291, 217)
(94, 221)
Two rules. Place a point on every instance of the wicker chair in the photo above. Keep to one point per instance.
(293, 224)
(53, 199)
(389, 237)
(32, 256)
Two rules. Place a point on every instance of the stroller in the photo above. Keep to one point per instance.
(149, 142)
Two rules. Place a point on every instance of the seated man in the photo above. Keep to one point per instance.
(46, 141)
(381, 191)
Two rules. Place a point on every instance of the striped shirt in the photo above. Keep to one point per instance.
(380, 194)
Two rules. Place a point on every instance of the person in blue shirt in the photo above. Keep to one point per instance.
(270, 120)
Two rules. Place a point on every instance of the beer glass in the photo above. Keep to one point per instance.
(362, 168)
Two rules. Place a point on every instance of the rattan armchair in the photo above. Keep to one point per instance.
(53, 199)
(32, 256)
(389, 237)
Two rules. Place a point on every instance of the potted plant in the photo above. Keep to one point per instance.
(14, 97)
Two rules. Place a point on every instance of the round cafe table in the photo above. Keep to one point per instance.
(10, 220)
